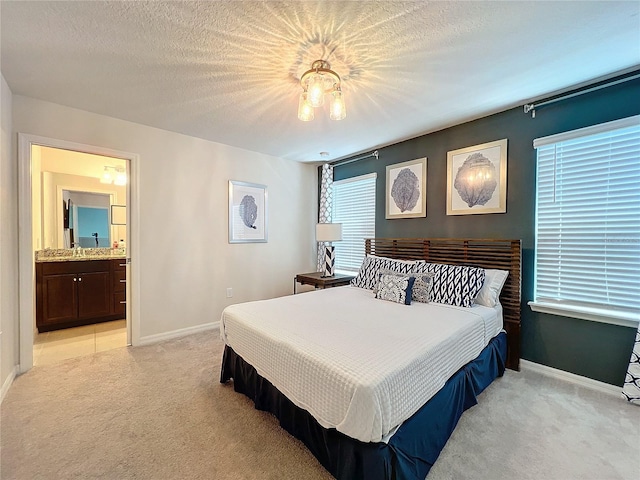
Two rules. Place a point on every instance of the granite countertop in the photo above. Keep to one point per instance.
(87, 258)
(87, 254)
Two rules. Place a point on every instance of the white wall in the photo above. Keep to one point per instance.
(186, 262)
(8, 241)
(37, 227)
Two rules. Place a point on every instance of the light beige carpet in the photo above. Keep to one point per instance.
(158, 412)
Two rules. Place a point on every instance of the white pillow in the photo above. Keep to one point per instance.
(491, 288)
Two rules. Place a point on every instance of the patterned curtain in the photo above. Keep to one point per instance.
(631, 388)
(325, 205)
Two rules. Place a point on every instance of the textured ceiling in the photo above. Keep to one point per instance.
(229, 71)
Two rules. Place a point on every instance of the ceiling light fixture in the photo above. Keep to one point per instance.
(121, 177)
(106, 176)
(115, 175)
(317, 82)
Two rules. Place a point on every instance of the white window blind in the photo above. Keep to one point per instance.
(588, 220)
(354, 205)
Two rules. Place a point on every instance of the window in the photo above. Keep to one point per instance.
(588, 223)
(354, 205)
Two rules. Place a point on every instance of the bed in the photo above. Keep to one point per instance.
(375, 388)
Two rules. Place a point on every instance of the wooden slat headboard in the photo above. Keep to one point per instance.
(484, 253)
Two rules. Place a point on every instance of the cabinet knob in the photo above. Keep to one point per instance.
(75, 279)
(79, 279)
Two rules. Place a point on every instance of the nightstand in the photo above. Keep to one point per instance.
(318, 281)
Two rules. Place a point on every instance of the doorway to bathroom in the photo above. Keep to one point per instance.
(68, 191)
(78, 309)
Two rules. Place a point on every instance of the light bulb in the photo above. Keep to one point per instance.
(305, 110)
(106, 176)
(315, 90)
(121, 177)
(338, 110)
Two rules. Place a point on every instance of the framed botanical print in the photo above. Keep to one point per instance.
(406, 189)
(247, 212)
(477, 179)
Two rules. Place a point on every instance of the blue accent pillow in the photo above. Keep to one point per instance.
(395, 288)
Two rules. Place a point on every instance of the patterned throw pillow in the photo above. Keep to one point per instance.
(422, 287)
(454, 284)
(371, 265)
(395, 288)
(421, 291)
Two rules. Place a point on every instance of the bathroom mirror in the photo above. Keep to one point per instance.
(72, 215)
(86, 220)
(57, 173)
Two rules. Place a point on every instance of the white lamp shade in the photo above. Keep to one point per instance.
(328, 232)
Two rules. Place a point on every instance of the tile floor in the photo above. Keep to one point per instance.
(53, 347)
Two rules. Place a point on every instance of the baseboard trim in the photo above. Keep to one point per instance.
(8, 382)
(182, 332)
(572, 378)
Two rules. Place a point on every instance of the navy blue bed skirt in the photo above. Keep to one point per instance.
(411, 451)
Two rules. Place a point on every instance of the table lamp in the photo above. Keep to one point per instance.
(329, 232)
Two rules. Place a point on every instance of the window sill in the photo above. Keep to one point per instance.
(585, 313)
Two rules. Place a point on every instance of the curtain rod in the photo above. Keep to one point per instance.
(344, 162)
(531, 107)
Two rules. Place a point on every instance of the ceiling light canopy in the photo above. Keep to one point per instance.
(316, 83)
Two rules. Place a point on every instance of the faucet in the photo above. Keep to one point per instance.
(77, 251)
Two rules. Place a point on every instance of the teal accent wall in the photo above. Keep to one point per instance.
(591, 349)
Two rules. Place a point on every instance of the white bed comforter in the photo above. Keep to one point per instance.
(356, 363)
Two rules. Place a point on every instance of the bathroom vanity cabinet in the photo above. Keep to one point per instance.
(78, 292)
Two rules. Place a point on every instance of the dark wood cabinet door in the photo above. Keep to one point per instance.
(94, 298)
(60, 300)
(73, 293)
